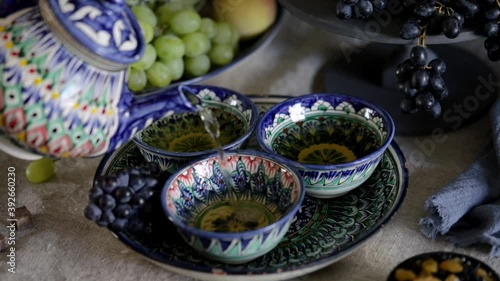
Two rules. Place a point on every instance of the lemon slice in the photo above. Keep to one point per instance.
(326, 153)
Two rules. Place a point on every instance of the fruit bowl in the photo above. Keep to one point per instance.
(442, 266)
(335, 141)
(237, 219)
(242, 50)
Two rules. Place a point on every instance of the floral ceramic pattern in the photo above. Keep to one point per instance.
(107, 27)
(322, 232)
(263, 181)
(35, 101)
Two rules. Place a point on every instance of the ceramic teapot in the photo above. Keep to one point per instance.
(63, 67)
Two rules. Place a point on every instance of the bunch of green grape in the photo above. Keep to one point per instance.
(180, 43)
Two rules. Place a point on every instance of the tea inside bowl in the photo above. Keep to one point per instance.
(186, 132)
(263, 192)
(325, 139)
(234, 216)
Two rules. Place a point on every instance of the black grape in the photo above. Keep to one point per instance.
(437, 66)
(441, 95)
(350, 2)
(491, 29)
(435, 110)
(492, 14)
(116, 200)
(424, 100)
(419, 79)
(421, 83)
(418, 56)
(437, 83)
(468, 7)
(379, 5)
(408, 106)
(409, 30)
(451, 27)
(424, 10)
(344, 11)
(363, 9)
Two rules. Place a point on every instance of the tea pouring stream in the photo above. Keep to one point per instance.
(63, 67)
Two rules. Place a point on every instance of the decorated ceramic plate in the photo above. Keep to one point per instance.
(323, 231)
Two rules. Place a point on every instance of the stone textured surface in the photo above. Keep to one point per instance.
(63, 245)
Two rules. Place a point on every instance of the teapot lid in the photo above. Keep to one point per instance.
(104, 32)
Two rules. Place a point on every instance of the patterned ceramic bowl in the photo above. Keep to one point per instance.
(443, 266)
(237, 224)
(334, 141)
(177, 139)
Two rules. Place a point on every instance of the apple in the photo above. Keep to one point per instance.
(250, 17)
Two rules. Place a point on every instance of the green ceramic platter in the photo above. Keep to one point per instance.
(323, 231)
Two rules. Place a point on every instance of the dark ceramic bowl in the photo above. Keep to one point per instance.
(334, 141)
(443, 265)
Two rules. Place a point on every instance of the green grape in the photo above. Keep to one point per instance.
(224, 33)
(158, 31)
(151, 4)
(137, 80)
(166, 11)
(158, 75)
(148, 31)
(169, 47)
(196, 44)
(221, 54)
(185, 22)
(40, 170)
(176, 67)
(208, 27)
(235, 35)
(185, 3)
(144, 13)
(197, 66)
(147, 59)
(169, 33)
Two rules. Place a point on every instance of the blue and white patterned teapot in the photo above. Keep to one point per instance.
(62, 80)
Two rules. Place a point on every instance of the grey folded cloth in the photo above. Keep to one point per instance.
(467, 210)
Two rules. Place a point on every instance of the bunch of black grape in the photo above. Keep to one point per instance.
(421, 83)
(491, 16)
(121, 201)
(361, 9)
(438, 17)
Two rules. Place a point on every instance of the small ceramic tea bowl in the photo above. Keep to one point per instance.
(177, 139)
(237, 224)
(334, 141)
(442, 266)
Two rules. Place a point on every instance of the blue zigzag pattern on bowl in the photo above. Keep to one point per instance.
(346, 177)
(170, 164)
(238, 250)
